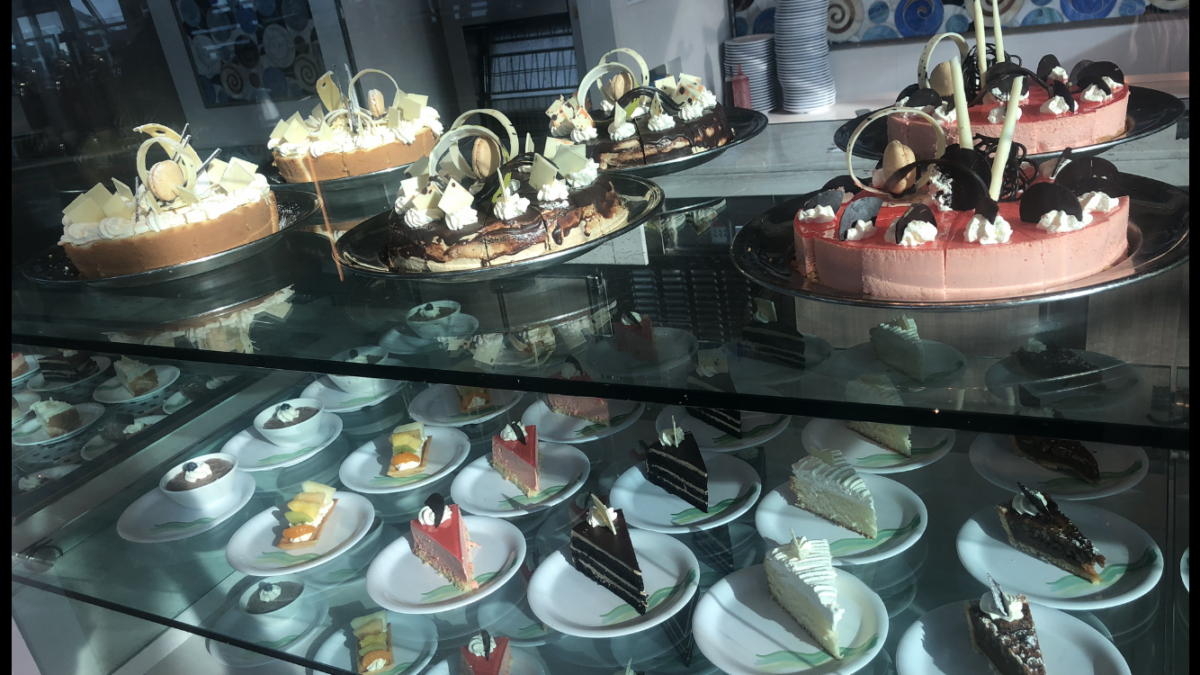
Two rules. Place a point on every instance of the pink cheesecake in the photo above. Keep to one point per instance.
(1038, 131)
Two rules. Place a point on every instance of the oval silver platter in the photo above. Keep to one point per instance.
(361, 248)
(1159, 241)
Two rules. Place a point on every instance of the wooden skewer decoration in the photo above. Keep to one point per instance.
(961, 112)
(996, 31)
(980, 42)
(1006, 136)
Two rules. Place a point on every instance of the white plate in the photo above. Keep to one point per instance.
(523, 663)
(237, 623)
(566, 429)
(1185, 569)
(438, 406)
(939, 643)
(406, 344)
(112, 391)
(30, 432)
(154, 518)
(481, 490)
(733, 489)
(946, 365)
(363, 470)
(414, 640)
(757, 429)
(1133, 566)
(675, 347)
(743, 367)
(38, 383)
(256, 453)
(1121, 467)
(569, 602)
(176, 402)
(742, 630)
(337, 401)
(252, 548)
(867, 456)
(33, 368)
(25, 401)
(900, 514)
(1121, 380)
(97, 446)
(402, 582)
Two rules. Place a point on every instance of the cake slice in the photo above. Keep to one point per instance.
(1035, 525)
(1002, 630)
(897, 344)
(515, 456)
(602, 550)
(801, 579)
(410, 450)
(712, 374)
(16, 410)
(826, 485)
(373, 639)
(1059, 455)
(473, 399)
(594, 410)
(674, 463)
(485, 655)
(136, 376)
(877, 389)
(1062, 366)
(56, 417)
(20, 365)
(441, 540)
(67, 365)
(307, 515)
(635, 337)
(771, 340)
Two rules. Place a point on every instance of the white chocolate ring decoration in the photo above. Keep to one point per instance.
(451, 138)
(175, 152)
(938, 152)
(923, 63)
(159, 130)
(645, 80)
(399, 92)
(513, 147)
(593, 77)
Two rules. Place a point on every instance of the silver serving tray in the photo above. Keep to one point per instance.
(1159, 241)
(746, 124)
(1150, 111)
(361, 249)
(53, 266)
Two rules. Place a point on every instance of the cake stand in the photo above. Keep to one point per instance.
(1150, 111)
(1159, 241)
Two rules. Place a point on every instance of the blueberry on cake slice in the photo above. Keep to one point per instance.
(801, 579)
(410, 450)
(1059, 455)
(826, 485)
(602, 550)
(1002, 630)
(137, 377)
(898, 344)
(712, 374)
(771, 340)
(877, 389)
(373, 642)
(674, 463)
(56, 417)
(1035, 525)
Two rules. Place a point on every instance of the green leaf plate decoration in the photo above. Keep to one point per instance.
(1071, 484)
(448, 591)
(689, 516)
(625, 611)
(788, 660)
(177, 526)
(519, 501)
(597, 427)
(285, 456)
(889, 458)
(384, 481)
(853, 545)
(285, 559)
(1071, 584)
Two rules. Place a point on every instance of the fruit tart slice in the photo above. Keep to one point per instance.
(307, 515)
(410, 450)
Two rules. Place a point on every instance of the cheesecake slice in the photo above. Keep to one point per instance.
(485, 655)
(898, 344)
(1059, 455)
(877, 389)
(674, 463)
(410, 450)
(56, 417)
(139, 378)
(801, 579)
(602, 550)
(373, 643)
(1002, 630)
(1035, 525)
(441, 540)
(515, 456)
(826, 485)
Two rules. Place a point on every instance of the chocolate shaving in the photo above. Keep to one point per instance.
(1047, 65)
(1095, 72)
(923, 97)
(1036, 500)
(1042, 198)
(487, 644)
(1091, 174)
(1083, 63)
(516, 427)
(1063, 160)
(1061, 89)
(916, 212)
(997, 593)
(437, 504)
(866, 208)
(843, 182)
(971, 158)
(829, 198)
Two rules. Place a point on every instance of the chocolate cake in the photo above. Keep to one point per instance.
(67, 365)
(674, 463)
(1059, 455)
(647, 146)
(771, 340)
(1002, 629)
(1034, 524)
(602, 550)
(712, 374)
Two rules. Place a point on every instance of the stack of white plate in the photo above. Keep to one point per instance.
(802, 55)
(756, 56)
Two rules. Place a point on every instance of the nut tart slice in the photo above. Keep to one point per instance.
(515, 456)
(1035, 525)
(307, 515)
(485, 655)
(441, 540)
(410, 450)
(373, 642)
(1002, 629)
(1059, 455)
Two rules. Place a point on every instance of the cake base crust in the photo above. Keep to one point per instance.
(356, 162)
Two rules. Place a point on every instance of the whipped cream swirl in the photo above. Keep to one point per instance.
(1057, 222)
(508, 434)
(619, 132)
(461, 218)
(510, 205)
(917, 233)
(477, 647)
(1023, 506)
(996, 115)
(269, 592)
(862, 229)
(418, 218)
(1058, 73)
(661, 122)
(201, 471)
(818, 214)
(1094, 94)
(1011, 611)
(585, 176)
(583, 135)
(983, 231)
(554, 195)
(691, 110)
(1056, 106)
(1097, 202)
(425, 516)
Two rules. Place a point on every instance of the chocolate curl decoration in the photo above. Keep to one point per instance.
(487, 644)
(1015, 181)
(971, 72)
(997, 592)
(437, 504)
(1037, 502)
(516, 427)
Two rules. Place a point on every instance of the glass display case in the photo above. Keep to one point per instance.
(286, 461)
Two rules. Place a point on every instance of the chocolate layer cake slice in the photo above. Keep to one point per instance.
(674, 463)
(712, 374)
(1002, 629)
(771, 340)
(67, 365)
(1035, 525)
(602, 550)
(1059, 455)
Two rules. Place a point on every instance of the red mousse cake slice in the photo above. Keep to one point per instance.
(515, 456)
(593, 410)
(441, 540)
(635, 336)
(486, 655)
